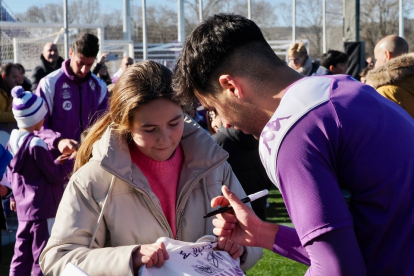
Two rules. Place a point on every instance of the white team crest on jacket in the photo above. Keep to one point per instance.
(66, 94)
(92, 85)
(65, 85)
(67, 105)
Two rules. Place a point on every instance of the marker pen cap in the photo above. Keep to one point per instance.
(258, 195)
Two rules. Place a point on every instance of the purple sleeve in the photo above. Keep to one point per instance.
(53, 171)
(333, 253)
(287, 244)
(46, 134)
(50, 137)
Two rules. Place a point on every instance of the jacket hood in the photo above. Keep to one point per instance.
(391, 72)
(200, 152)
(18, 161)
(245, 141)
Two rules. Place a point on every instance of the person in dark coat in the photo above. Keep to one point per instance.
(49, 62)
(245, 162)
(101, 70)
(22, 80)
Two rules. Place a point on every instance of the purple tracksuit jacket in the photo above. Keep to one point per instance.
(36, 179)
(37, 184)
(73, 104)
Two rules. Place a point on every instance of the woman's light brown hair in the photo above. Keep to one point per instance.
(140, 84)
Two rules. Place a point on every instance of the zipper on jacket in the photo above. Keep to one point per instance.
(80, 108)
(163, 221)
(183, 204)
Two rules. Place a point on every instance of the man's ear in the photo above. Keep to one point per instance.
(70, 52)
(231, 85)
(331, 67)
(388, 55)
(3, 75)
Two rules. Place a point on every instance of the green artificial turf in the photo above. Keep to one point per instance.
(272, 265)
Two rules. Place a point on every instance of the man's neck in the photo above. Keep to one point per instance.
(277, 88)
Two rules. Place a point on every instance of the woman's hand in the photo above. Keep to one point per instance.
(235, 250)
(149, 255)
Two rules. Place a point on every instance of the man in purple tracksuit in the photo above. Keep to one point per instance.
(320, 138)
(74, 96)
(37, 182)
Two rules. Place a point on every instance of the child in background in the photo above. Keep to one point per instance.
(37, 182)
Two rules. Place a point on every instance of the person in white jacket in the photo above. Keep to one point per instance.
(144, 171)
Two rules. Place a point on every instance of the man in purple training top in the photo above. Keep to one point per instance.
(318, 135)
(74, 96)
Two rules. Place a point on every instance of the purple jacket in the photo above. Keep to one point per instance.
(73, 104)
(36, 179)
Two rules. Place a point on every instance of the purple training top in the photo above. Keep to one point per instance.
(332, 132)
(73, 104)
(36, 179)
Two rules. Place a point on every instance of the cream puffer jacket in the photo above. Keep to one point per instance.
(131, 213)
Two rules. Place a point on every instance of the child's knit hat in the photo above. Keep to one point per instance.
(28, 109)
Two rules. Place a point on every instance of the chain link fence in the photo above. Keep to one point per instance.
(27, 25)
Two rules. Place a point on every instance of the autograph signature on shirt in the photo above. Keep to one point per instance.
(206, 269)
(196, 251)
(214, 257)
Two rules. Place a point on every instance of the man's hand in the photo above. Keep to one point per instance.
(3, 190)
(13, 205)
(67, 146)
(242, 227)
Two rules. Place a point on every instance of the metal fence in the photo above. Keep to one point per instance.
(26, 25)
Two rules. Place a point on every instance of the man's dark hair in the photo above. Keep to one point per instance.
(333, 57)
(6, 68)
(87, 45)
(20, 68)
(223, 44)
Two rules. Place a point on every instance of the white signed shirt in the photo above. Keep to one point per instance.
(197, 258)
